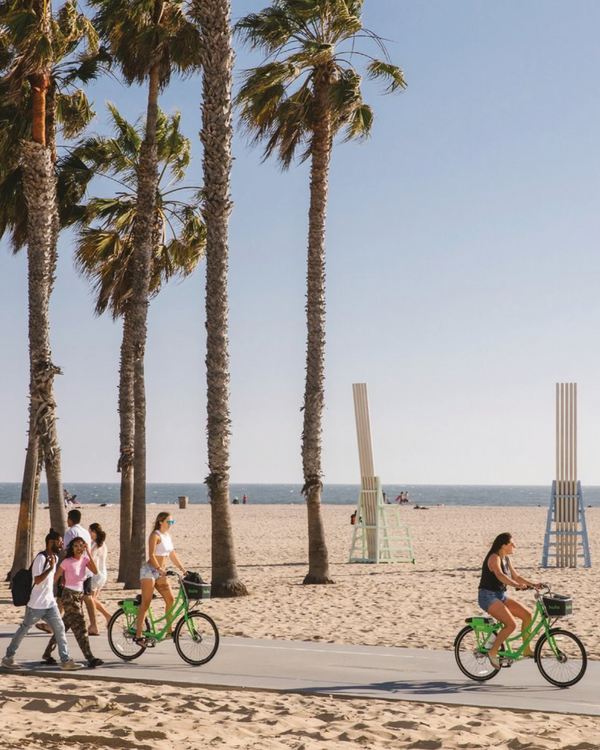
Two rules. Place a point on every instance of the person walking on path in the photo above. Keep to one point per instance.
(99, 554)
(74, 568)
(42, 605)
(76, 530)
(153, 572)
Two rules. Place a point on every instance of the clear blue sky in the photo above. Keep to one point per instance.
(463, 271)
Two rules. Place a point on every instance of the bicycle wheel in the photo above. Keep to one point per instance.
(196, 639)
(566, 664)
(121, 632)
(469, 658)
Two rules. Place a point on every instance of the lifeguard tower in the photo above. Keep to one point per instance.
(566, 537)
(379, 536)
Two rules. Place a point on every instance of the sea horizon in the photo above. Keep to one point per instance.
(98, 493)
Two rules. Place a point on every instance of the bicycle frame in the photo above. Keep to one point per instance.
(181, 606)
(539, 622)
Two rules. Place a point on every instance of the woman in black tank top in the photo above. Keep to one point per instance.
(497, 574)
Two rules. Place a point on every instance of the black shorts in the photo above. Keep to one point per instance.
(87, 586)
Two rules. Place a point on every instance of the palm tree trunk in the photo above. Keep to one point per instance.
(127, 429)
(216, 135)
(39, 187)
(142, 263)
(29, 501)
(314, 392)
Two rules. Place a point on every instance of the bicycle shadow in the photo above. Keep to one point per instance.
(411, 689)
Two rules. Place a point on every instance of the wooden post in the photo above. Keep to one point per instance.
(566, 516)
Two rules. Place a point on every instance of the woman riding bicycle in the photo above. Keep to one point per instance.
(153, 572)
(497, 573)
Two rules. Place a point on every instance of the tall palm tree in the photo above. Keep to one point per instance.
(149, 40)
(34, 45)
(213, 17)
(307, 92)
(105, 241)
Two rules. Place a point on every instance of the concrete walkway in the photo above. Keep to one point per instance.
(330, 669)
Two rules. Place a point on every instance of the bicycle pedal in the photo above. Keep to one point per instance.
(151, 643)
(505, 663)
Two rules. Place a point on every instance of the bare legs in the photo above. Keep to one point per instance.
(147, 585)
(505, 612)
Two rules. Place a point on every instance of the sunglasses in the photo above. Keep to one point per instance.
(170, 521)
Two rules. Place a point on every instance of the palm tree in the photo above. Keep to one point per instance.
(34, 100)
(106, 240)
(149, 40)
(213, 17)
(307, 92)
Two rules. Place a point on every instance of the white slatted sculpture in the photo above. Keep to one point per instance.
(379, 535)
(566, 532)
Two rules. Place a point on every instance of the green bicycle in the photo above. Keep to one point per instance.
(196, 636)
(560, 656)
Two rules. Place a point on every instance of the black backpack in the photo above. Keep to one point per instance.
(21, 585)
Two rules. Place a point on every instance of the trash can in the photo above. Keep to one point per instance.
(183, 501)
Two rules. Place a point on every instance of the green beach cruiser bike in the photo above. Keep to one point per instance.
(195, 636)
(560, 656)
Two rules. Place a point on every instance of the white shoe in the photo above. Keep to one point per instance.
(9, 663)
(70, 665)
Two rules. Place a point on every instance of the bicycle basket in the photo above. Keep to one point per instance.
(195, 588)
(558, 605)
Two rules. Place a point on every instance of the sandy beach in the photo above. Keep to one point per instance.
(418, 606)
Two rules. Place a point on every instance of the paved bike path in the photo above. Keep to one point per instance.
(330, 669)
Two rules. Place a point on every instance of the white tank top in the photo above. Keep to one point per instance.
(165, 545)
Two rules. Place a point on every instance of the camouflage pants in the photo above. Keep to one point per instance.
(73, 619)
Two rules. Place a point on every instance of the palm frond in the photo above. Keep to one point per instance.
(392, 75)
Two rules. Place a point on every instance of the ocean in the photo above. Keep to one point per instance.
(333, 494)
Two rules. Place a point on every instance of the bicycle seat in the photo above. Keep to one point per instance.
(488, 620)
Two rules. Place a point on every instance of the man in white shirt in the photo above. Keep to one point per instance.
(42, 605)
(77, 530)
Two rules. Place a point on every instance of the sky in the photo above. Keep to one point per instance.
(462, 274)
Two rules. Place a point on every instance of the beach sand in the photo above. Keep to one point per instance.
(419, 606)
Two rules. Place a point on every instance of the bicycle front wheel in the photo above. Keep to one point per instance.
(469, 658)
(561, 657)
(196, 638)
(121, 632)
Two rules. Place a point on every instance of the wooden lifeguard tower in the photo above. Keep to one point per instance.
(566, 537)
(379, 534)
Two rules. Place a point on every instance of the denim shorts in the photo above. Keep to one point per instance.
(487, 598)
(147, 571)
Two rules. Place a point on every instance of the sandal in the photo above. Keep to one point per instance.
(494, 661)
(90, 633)
(141, 641)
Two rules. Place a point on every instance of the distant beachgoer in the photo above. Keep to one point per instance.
(244, 499)
(100, 554)
(386, 500)
(42, 606)
(74, 568)
(235, 501)
(153, 572)
(398, 498)
(497, 572)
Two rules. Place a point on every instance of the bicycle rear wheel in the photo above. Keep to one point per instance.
(121, 632)
(469, 658)
(196, 638)
(565, 664)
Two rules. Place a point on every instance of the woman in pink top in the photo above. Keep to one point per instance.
(74, 568)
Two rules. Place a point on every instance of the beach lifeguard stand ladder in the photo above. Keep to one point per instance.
(566, 537)
(379, 535)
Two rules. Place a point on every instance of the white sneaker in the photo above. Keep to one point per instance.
(9, 663)
(70, 665)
